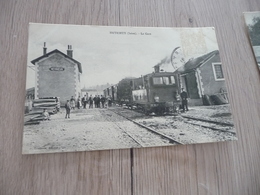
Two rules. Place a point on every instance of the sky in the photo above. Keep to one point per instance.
(109, 54)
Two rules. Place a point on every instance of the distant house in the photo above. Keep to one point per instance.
(84, 91)
(95, 90)
(202, 76)
(89, 91)
(57, 75)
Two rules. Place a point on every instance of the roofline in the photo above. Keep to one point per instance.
(160, 74)
(204, 61)
(214, 53)
(58, 51)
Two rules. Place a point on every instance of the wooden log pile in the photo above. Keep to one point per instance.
(216, 99)
(36, 115)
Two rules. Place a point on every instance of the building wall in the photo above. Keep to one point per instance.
(61, 83)
(192, 86)
(77, 77)
(209, 84)
(190, 82)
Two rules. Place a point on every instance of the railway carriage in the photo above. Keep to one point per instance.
(124, 92)
(111, 92)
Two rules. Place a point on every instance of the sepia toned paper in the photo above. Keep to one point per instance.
(105, 87)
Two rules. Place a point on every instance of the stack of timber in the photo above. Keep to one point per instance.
(36, 114)
(50, 104)
(33, 119)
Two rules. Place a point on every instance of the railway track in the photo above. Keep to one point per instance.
(163, 136)
(180, 129)
(133, 137)
(214, 125)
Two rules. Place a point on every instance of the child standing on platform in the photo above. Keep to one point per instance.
(68, 108)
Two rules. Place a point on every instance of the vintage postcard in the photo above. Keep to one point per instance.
(252, 20)
(105, 87)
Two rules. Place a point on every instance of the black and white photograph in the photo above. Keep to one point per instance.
(252, 20)
(109, 87)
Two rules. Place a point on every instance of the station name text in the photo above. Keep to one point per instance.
(129, 33)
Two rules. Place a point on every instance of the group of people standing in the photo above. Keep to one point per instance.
(98, 101)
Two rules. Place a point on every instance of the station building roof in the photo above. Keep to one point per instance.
(197, 62)
(57, 51)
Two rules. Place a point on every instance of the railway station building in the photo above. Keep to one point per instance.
(203, 76)
(57, 75)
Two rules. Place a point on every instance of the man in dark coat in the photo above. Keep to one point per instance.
(184, 97)
(103, 99)
(90, 100)
(98, 101)
(84, 101)
(95, 100)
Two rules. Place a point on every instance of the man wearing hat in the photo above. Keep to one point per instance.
(184, 97)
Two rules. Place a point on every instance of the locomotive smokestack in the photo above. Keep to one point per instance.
(44, 48)
(70, 51)
(157, 68)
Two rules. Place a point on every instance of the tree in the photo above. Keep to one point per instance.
(254, 31)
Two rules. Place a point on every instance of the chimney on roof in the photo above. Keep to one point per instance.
(69, 51)
(44, 48)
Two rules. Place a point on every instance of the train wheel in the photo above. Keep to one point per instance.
(145, 111)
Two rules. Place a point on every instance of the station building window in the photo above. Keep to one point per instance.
(218, 72)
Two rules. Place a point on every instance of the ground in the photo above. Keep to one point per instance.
(117, 127)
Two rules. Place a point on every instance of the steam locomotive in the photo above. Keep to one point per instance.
(156, 93)
(159, 93)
